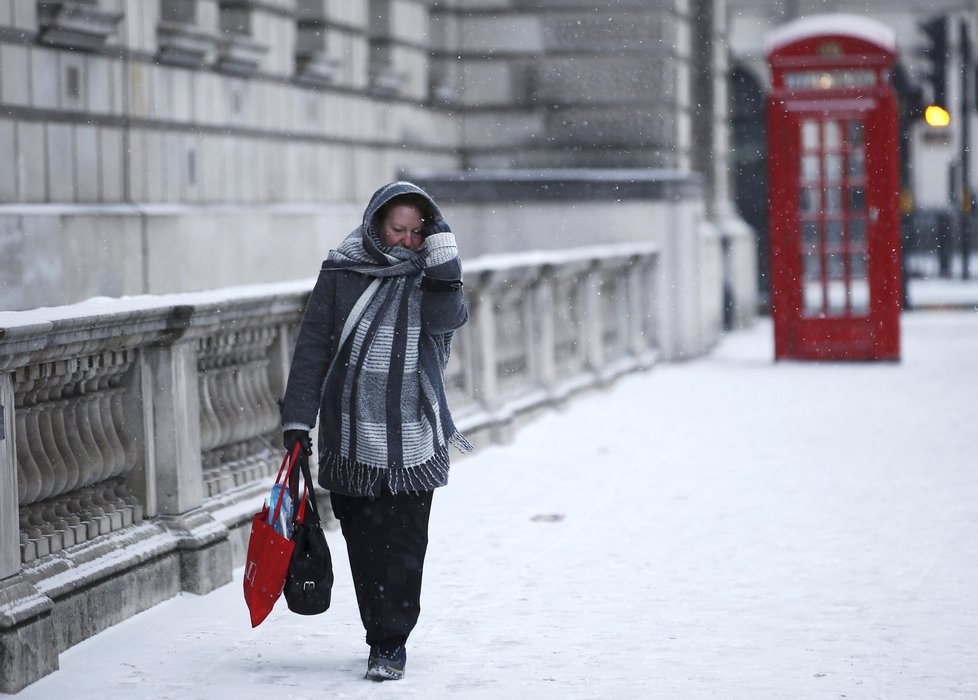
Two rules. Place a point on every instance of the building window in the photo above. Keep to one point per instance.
(313, 66)
(238, 53)
(75, 24)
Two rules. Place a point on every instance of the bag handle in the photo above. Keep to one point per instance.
(288, 474)
(307, 485)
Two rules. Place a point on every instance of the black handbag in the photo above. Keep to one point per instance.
(310, 578)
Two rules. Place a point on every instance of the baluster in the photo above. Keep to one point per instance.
(94, 414)
(240, 409)
(126, 496)
(78, 507)
(95, 468)
(63, 441)
(50, 422)
(40, 529)
(209, 428)
(270, 412)
(108, 395)
(266, 405)
(28, 473)
(94, 514)
(105, 497)
(76, 442)
(40, 451)
(208, 422)
(92, 465)
(59, 535)
(223, 404)
(248, 378)
(120, 434)
(37, 544)
(71, 520)
(28, 552)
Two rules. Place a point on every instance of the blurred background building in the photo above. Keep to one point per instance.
(937, 44)
(167, 145)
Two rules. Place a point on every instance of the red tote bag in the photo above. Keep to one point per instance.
(269, 554)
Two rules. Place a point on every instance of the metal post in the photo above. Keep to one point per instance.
(964, 203)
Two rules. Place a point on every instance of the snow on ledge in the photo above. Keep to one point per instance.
(837, 24)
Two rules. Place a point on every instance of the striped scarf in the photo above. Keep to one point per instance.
(386, 379)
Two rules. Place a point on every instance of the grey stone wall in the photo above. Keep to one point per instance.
(542, 84)
(166, 145)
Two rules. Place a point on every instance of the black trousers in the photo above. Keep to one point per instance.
(386, 540)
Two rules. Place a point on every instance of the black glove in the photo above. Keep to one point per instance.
(437, 226)
(291, 437)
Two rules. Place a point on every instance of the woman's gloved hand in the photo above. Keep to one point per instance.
(291, 437)
(443, 270)
(438, 225)
(439, 243)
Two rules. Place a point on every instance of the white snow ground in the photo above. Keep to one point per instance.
(722, 528)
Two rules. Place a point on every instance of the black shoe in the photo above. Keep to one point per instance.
(386, 662)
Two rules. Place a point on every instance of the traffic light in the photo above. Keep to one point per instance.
(936, 54)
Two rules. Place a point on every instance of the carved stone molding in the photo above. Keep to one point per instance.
(75, 24)
(239, 55)
(184, 45)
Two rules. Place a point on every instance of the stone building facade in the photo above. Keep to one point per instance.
(167, 145)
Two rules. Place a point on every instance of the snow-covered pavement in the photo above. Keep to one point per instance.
(722, 528)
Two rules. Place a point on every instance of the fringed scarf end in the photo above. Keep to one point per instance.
(461, 443)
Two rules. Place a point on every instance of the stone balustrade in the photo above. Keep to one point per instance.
(139, 435)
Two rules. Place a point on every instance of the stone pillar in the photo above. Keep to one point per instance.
(640, 319)
(9, 524)
(545, 334)
(175, 424)
(174, 478)
(592, 322)
(26, 630)
(678, 292)
(485, 357)
(711, 157)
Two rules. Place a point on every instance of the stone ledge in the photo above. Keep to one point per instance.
(496, 186)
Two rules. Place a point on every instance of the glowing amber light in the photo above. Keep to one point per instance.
(937, 116)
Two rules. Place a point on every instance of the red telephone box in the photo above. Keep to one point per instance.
(834, 190)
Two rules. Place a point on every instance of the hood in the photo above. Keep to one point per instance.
(371, 241)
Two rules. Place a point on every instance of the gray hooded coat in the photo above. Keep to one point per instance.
(370, 356)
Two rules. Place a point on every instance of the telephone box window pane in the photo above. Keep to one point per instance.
(809, 168)
(813, 298)
(812, 264)
(812, 282)
(859, 283)
(857, 199)
(857, 232)
(857, 164)
(835, 265)
(832, 136)
(859, 291)
(810, 232)
(833, 199)
(833, 168)
(809, 134)
(837, 297)
(833, 230)
(855, 134)
(809, 200)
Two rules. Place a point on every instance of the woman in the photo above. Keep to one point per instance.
(369, 359)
